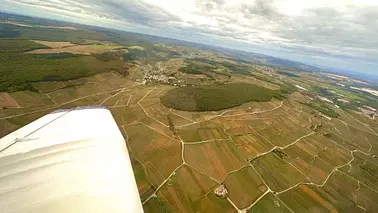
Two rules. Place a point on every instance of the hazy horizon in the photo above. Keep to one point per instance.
(341, 34)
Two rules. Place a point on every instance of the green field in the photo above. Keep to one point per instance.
(269, 204)
(216, 97)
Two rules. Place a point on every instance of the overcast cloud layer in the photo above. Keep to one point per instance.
(337, 33)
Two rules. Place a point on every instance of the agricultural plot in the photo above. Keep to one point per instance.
(138, 95)
(145, 188)
(251, 145)
(252, 80)
(86, 101)
(277, 173)
(212, 203)
(178, 120)
(215, 159)
(115, 97)
(298, 114)
(154, 176)
(269, 204)
(54, 45)
(335, 135)
(7, 101)
(257, 122)
(67, 47)
(10, 112)
(130, 96)
(195, 133)
(373, 140)
(282, 131)
(125, 115)
(150, 146)
(228, 125)
(352, 137)
(367, 198)
(316, 157)
(6, 127)
(329, 198)
(363, 168)
(155, 205)
(158, 127)
(351, 121)
(242, 130)
(193, 116)
(158, 113)
(184, 189)
(252, 108)
(244, 187)
(154, 109)
(373, 123)
(120, 100)
(368, 139)
(19, 122)
(31, 99)
(211, 134)
(190, 134)
(90, 86)
(50, 86)
(299, 97)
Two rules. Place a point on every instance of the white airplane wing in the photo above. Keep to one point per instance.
(72, 160)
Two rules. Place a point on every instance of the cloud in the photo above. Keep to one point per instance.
(340, 28)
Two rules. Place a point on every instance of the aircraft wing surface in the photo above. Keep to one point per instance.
(72, 160)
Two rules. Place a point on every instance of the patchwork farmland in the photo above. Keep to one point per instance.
(205, 131)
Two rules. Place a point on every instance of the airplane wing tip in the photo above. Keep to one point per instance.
(76, 158)
(79, 108)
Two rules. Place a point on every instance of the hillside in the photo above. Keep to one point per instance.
(216, 97)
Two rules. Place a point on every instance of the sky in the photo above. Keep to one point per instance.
(330, 33)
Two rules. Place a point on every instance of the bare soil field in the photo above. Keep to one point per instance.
(16, 23)
(60, 27)
(7, 101)
(196, 76)
(135, 47)
(55, 45)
